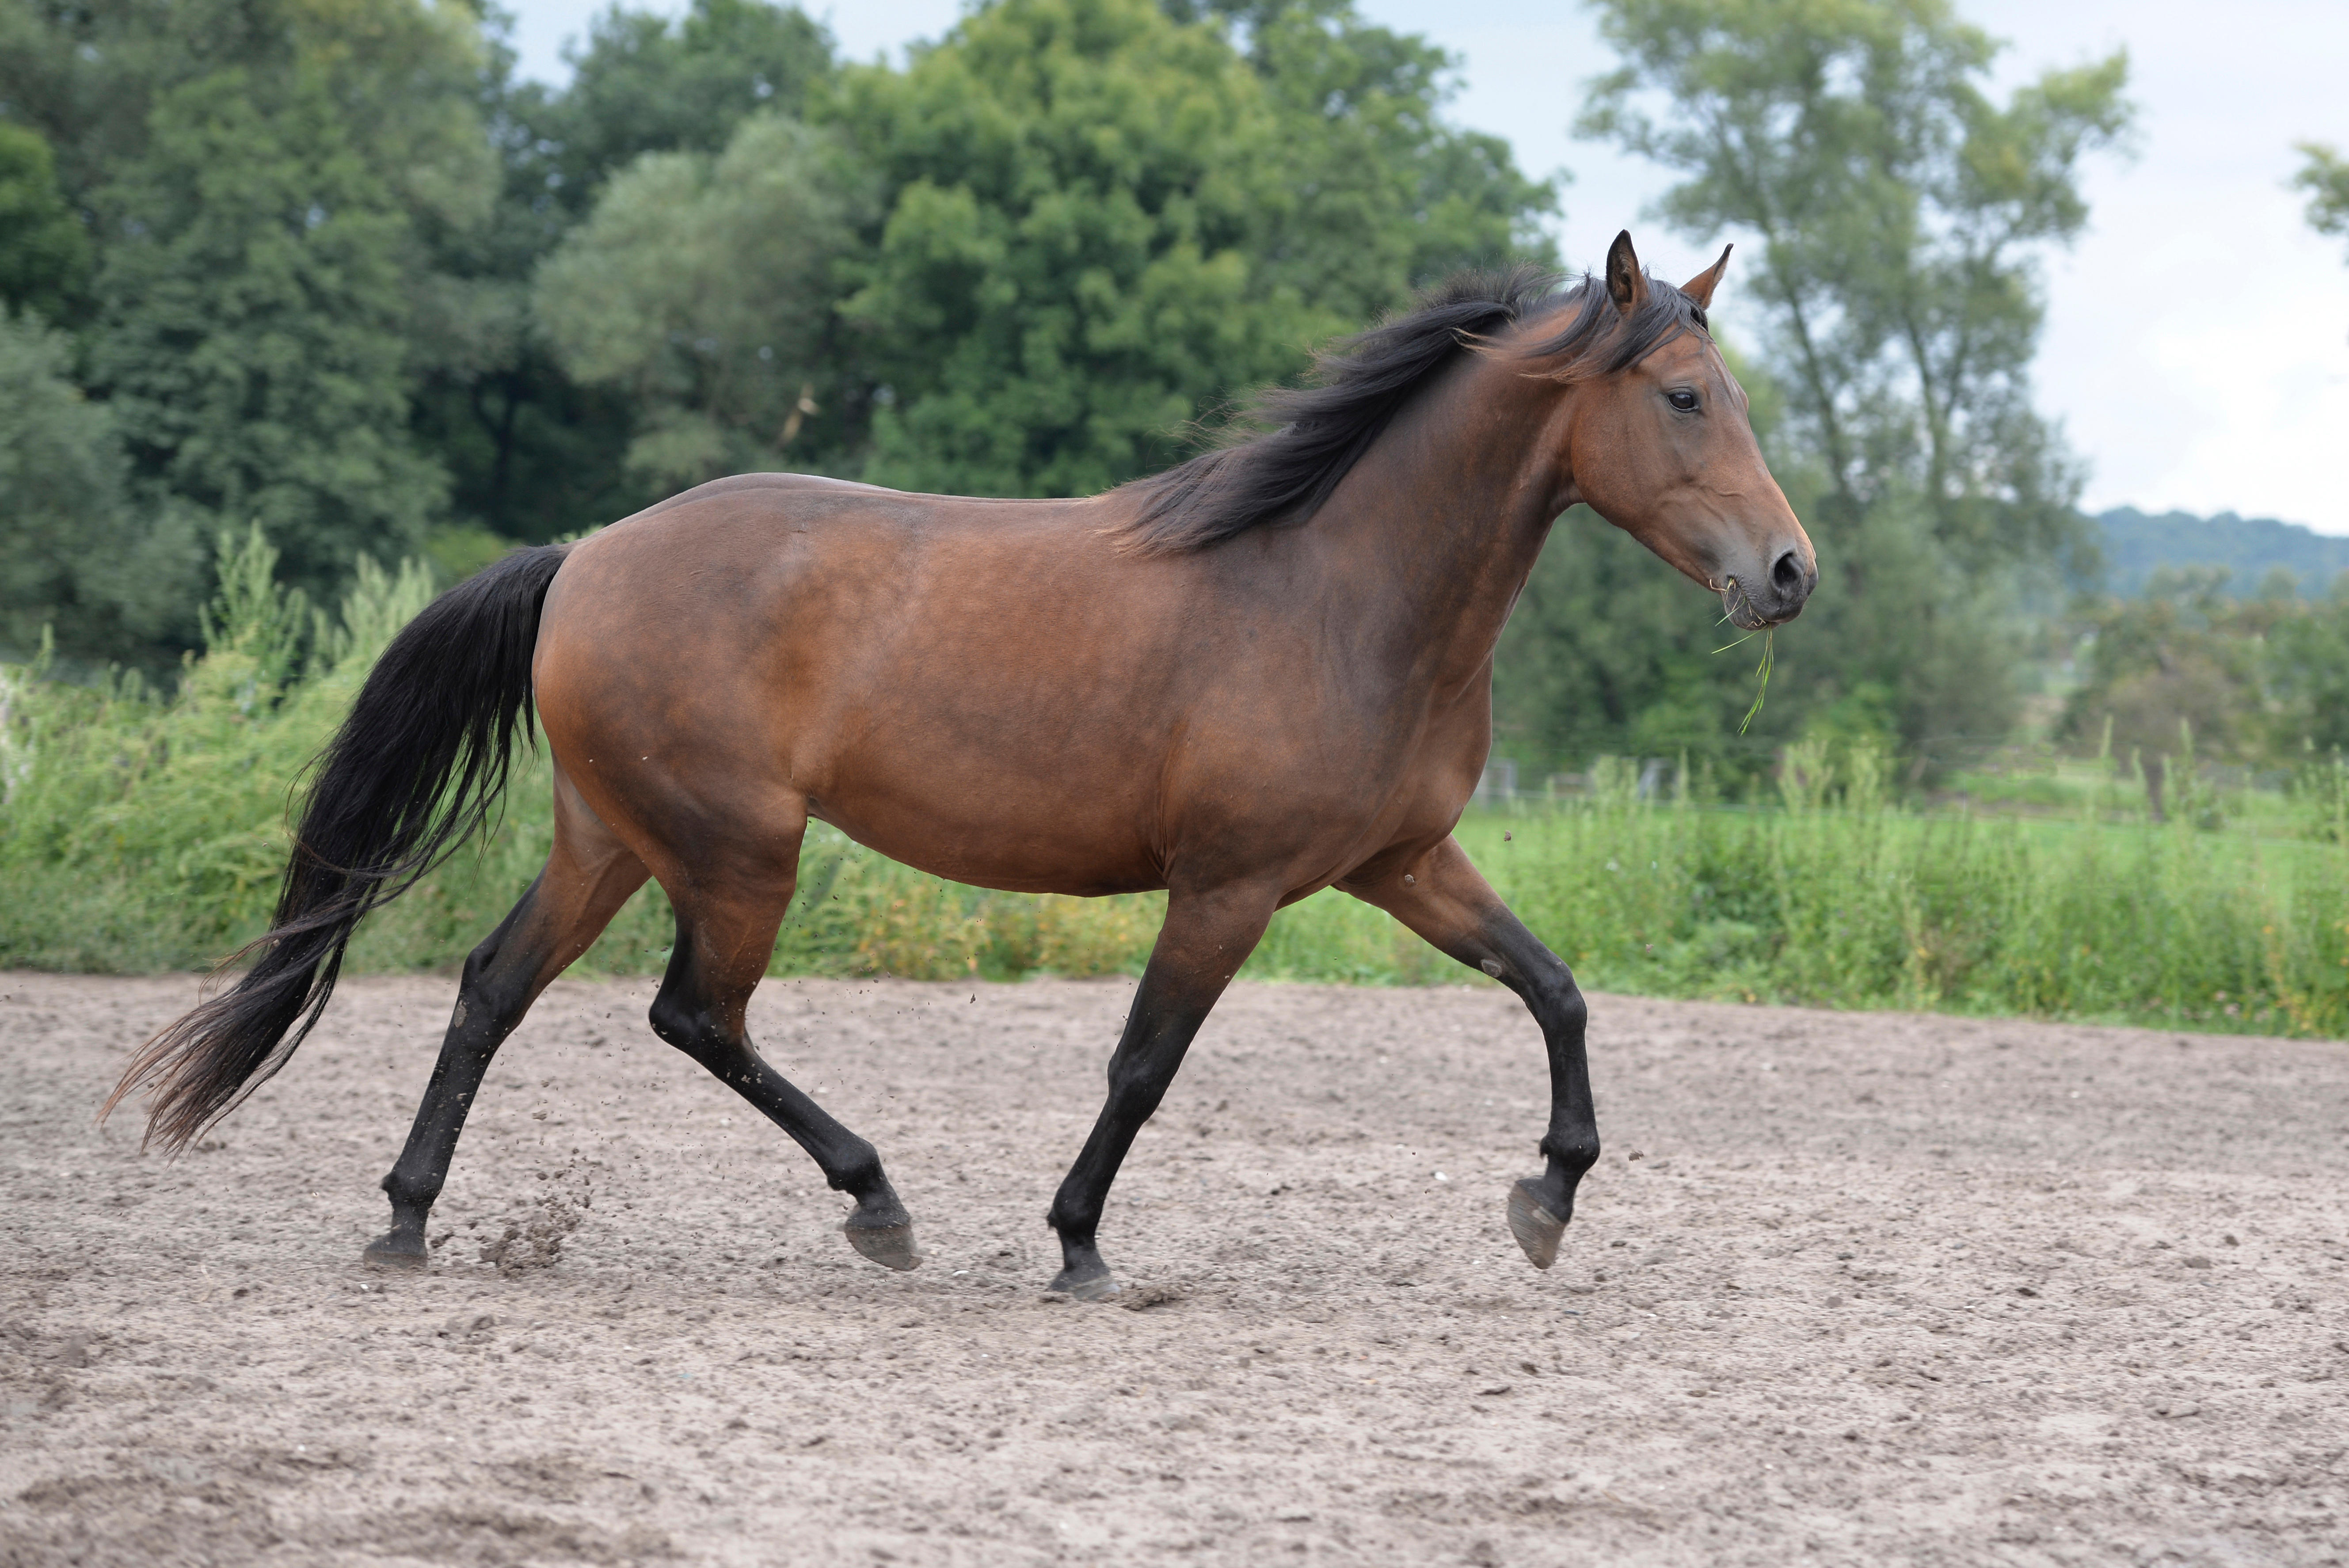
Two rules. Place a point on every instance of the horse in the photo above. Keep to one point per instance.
(1261, 673)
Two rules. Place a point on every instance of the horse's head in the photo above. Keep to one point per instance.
(1658, 442)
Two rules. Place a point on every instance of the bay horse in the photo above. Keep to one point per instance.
(1262, 673)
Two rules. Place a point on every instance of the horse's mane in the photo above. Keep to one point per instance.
(1288, 447)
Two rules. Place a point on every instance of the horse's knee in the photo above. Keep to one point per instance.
(1556, 1001)
(1136, 1088)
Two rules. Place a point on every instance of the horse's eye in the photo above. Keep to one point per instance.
(1683, 401)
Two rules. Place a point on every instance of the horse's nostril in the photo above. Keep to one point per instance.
(1787, 575)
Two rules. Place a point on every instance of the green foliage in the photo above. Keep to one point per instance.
(1100, 222)
(254, 328)
(2186, 674)
(74, 558)
(1607, 654)
(456, 551)
(703, 288)
(647, 84)
(1900, 210)
(1862, 906)
(147, 833)
(2307, 668)
(531, 453)
(44, 251)
(255, 619)
(1064, 277)
(2324, 174)
(1382, 196)
(263, 176)
(2183, 651)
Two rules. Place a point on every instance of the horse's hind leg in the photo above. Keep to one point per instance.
(724, 936)
(589, 875)
(1441, 897)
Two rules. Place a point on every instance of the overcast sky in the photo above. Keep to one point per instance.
(2198, 337)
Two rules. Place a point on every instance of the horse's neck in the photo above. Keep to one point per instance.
(1448, 511)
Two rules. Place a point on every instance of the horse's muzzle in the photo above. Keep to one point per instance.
(1779, 597)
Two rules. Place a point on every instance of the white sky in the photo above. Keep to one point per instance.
(2197, 338)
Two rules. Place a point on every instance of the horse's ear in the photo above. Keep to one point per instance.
(1626, 285)
(1700, 287)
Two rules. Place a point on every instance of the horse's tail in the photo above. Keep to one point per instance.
(411, 774)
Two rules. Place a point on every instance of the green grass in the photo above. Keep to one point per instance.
(144, 834)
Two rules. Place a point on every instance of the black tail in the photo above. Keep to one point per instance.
(412, 773)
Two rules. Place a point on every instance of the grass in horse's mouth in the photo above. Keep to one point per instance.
(1762, 670)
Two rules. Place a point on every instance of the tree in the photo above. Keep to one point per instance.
(2307, 660)
(1101, 221)
(254, 331)
(263, 177)
(1384, 197)
(2177, 670)
(44, 251)
(532, 452)
(647, 84)
(1901, 210)
(704, 287)
(2324, 175)
(72, 559)
(1062, 278)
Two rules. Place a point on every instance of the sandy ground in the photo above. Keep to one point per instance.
(1846, 1288)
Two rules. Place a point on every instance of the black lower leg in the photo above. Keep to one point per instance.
(1440, 896)
(1202, 943)
(490, 999)
(1148, 1056)
(1539, 1207)
(709, 1030)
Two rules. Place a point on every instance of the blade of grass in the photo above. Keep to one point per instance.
(1769, 654)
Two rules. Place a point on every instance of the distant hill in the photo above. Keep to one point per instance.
(2136, 545)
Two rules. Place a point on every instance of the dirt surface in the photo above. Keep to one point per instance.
(1846, 1288)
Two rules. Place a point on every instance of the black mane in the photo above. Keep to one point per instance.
(1289, 448)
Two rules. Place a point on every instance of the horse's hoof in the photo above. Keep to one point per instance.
(891, 1246)
(396, 1251)
(1537, 1230)
(1085, 1287)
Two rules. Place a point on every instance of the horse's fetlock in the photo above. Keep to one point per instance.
(411, 1193)
(1073, 1225)
(858, 1171)
(1576, 1151)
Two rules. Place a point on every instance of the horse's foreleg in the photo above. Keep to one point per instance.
(723, 941)
(588, 876)
(1441, 897)
(1206, 937)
